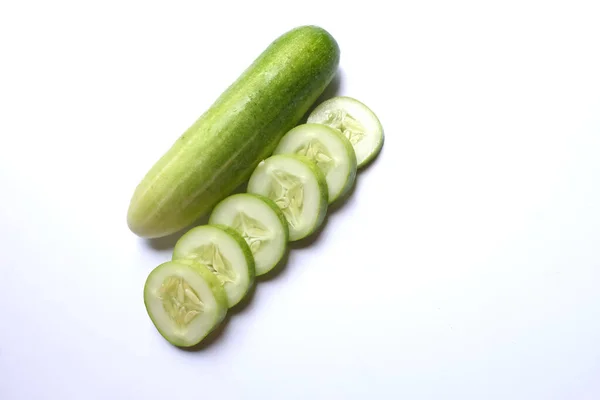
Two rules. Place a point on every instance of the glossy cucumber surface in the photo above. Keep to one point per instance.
(243, 127)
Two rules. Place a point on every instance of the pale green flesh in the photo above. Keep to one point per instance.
(329, 149)
(347, 124)
(299, 189)
(180, 300)
(314, 149)
(287, 191)
(222, 148)
(256, 234)
(357, 122)
(225, 253)
(211, 256)
(260, 222)
(185, 301)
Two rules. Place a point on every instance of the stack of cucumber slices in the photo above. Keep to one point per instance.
(214, 266)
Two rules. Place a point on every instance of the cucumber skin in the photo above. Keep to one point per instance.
(222, 148)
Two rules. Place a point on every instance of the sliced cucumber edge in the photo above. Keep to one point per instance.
(351, 153)
(280, 217)
(323, 199)
(215, 287)
(243, 246)
(379, 144)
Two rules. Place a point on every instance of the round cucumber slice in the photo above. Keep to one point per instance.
(329, 149)
(297, 186)
(185, 301)
(260, 222)
(225, 253)
(356, 121)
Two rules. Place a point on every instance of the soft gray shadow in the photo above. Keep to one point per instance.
(217, 335)
(212, 338)
(277, 270)
(312, 238)
(340, 202)
(333, 208)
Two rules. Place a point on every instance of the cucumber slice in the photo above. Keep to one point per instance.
(297, 186)
(185, 301)
(260, 222)
(329, 149)
(225, 253)
(356, 121)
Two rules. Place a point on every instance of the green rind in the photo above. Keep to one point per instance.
(271, 204)
(178, 256)
(351, 178)
(215, 287)
(377, 149)
(222, 148)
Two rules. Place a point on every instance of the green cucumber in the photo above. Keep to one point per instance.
(260, 222)
(225, 253)
(222, 148)
(298, 187)
(356, 121)
(185, 301)
(326, 146)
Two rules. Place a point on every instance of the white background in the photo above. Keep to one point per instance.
(466, 264)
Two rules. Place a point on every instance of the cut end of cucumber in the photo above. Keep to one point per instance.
(225, 253)
(260, 222)
(298, 187)
(355, 121)
(184, 301)
(329, 149)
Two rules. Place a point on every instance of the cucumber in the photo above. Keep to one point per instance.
(299, 189)
(356, 121)
(185, 301)
(222, 148)
(225, 253)
(326, 146)
(260, 222)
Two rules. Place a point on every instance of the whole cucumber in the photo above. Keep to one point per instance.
(244, 125)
